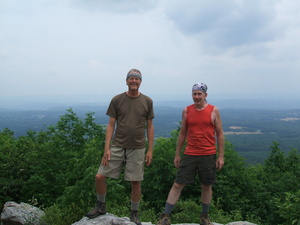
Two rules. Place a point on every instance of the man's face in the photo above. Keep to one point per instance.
(198, 96)
(133, 83)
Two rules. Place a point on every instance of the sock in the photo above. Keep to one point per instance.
(135, 205)
(205, 208)
(168, 208)
(101, 198)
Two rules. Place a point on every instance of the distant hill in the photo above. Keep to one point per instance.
(250, 125)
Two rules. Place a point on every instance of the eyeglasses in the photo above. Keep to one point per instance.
(133, 78)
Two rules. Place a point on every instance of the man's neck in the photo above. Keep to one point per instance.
(200, 106)
(133, 93)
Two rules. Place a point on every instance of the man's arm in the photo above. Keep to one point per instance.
(220, 138)
(150, 137)
(181, 138)
(108, 137)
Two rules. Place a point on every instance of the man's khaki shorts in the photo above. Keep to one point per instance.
(132, 160)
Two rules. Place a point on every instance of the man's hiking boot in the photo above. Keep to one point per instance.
(100, 209)
(134, 217)
(204, 220)
(164, 219)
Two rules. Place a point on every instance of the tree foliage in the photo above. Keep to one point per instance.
(46, 164)
(56, 168)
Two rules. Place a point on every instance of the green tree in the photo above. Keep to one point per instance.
(44, 164)
(9, 178)
(289, 208)
(159, 177)
(231, 182)
(57, 168)
(279, 175)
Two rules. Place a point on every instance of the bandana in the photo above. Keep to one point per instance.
(200, 86)
(134, 75)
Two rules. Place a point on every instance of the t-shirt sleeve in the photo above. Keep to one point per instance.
(151, 110)
(111, 110)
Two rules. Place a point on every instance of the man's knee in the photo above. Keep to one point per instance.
(178, 187)
(206, 187)
(100, 177)
(135, 184)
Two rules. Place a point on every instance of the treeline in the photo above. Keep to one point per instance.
(54, 169)
(271, 125)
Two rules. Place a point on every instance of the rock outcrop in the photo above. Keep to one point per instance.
(110, 219)
(20, 214)
(23, 213)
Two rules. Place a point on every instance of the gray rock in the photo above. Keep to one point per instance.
(240, 223)
(21, 214)
(232, 223)
(108, 219)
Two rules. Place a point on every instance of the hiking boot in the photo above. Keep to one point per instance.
(134, 217)
(204, 220)
(164, 219)
(100, 209)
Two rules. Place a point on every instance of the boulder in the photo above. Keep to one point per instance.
(21, 214)
(107, 219)
(110, 219)
(240, 223)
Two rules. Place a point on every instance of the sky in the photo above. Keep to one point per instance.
(84, 48)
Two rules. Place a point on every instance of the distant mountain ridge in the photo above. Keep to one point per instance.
(39, 103)
(250, 125)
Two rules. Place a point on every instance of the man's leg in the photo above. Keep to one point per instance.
(135, 191)
(135, 201)
(206, 197)
(206, 194)
(175, 193)
(100, 207)
(100, 184)
(172, 199)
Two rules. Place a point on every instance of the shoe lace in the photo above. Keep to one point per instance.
(164, 218)
(205, 221)
(134, 215)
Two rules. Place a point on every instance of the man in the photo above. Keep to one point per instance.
(125, 144)
(201, 126)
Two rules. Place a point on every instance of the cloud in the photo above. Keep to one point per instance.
(117, 6)
(88, 46)
(225, 24)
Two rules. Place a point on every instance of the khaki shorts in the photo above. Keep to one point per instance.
(132, 160)
(204, 165)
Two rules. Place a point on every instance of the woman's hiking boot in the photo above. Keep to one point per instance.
(100, 209)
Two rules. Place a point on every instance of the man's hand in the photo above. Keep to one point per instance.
(106, 158)
(149, 156)
(177, 161)
(220, 163)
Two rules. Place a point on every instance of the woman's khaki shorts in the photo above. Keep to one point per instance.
(132, 160)
(204, 165)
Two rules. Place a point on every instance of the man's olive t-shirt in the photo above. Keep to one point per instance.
(131, 115)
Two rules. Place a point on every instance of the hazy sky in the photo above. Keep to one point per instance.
(86, 47)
